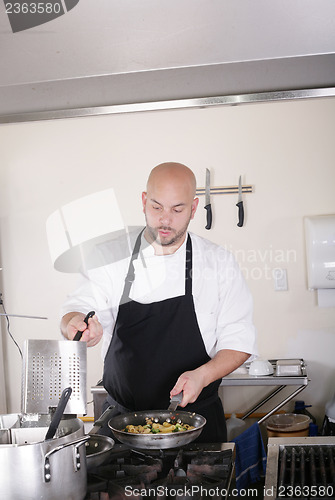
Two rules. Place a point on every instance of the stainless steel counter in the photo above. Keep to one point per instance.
(237, 378)
(245, 379)
(279, 382)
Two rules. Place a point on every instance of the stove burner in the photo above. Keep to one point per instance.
(167, 474)
(306, 472)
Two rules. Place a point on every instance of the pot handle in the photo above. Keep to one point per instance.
(76, 456)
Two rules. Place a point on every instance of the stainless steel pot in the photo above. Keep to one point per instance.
(32, 468)
(156, 441)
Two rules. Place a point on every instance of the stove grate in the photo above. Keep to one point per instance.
(306, 472)
(166, 474)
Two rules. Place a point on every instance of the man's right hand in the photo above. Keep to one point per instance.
(73, 322)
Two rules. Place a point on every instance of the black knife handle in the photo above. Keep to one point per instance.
(79, 334)
(240, 213)
(208, 216)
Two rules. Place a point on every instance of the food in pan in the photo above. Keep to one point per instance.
(152, 427)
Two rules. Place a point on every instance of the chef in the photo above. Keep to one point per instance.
(175, 316)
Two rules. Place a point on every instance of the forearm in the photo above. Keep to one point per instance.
(192, 382)
(223, 363)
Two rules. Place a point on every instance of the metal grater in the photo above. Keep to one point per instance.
(49, 366)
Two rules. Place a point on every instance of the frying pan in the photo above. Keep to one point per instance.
(156, 441)
(99, 447)
(98, 450)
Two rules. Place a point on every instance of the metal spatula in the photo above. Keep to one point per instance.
(175, 401)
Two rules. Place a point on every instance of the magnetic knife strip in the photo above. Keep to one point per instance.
(225, 190)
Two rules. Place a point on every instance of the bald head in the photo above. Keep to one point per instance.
(169, 204)
(173, 174)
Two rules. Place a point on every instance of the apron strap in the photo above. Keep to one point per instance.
(131, 271)
(188, 267)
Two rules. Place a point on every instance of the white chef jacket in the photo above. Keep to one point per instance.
(223, 303)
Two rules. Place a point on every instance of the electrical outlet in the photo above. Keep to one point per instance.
(280, 279)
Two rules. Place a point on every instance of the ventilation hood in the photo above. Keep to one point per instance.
(127, 57)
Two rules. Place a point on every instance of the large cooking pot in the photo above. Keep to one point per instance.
(33, 468)
(156, 441)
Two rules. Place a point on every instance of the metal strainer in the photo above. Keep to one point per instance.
(49, 366)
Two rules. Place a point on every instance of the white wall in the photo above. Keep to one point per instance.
(3, 405)
(285, 150)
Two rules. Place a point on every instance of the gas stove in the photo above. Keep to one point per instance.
(192, 472)
(300, 468)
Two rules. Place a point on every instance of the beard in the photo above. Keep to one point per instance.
(172, 239)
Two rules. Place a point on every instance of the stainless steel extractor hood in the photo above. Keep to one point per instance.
(186, 54)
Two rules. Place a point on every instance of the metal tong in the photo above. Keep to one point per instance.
(79, 334)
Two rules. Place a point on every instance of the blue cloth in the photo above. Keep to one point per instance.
(250, 458)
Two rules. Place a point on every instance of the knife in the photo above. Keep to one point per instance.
(239, 204)
(175, 401)
(208, 206)
(79, 334)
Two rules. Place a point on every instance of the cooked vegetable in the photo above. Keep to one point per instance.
(151, 427)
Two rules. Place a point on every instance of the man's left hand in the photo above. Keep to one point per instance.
(191, 383)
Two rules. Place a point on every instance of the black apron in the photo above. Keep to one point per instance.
(151, 346)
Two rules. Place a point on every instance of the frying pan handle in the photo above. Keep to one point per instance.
(104, 417)
(79, 334)
(175, 401)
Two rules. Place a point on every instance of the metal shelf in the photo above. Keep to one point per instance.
(279, 382)
(272, 380)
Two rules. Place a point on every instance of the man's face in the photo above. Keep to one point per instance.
(168, 209)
